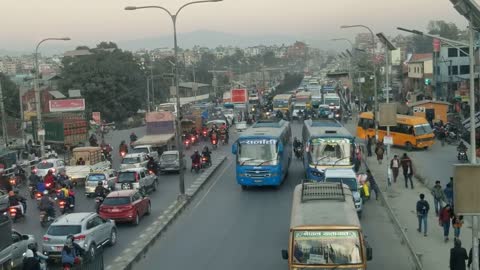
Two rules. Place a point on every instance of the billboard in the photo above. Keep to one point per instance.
(239, 96)
(67, 105)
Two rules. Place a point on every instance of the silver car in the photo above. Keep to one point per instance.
(170, 162)
(89, 229)
(20, 246)
(107, 177)
(136, 178)
(54, 164)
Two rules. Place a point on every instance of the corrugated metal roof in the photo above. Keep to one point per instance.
(74, 93)
(57, 94)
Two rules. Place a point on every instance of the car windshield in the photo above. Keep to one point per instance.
(326, 247)
(350, 182)
(423, 129)
(169, 157)
(258, 152)
(116, 201)
(139, 150)
(334, 101)
(330, 151)
(44, 165)
(96, 177)
(60, 230)
(280, 103)
(131, 160)
(127, 177)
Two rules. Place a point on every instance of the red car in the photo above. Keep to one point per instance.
(125, 206)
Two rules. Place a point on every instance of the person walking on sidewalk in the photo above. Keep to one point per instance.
(372, 183)
(457, 222)
(407, 167)
(458, 256)
(444, 220)
(438, 196)
(379, 150)
(448, 191)
(369, 146)
(395, 166)
(470, 255)
(422, 213)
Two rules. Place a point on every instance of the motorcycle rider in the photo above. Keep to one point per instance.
(62, 178)
(100, 190)
(123, 148)
(206, 153)
(93, 140)
(33, 179)
(71, 252)
(32, 258)
(195, 159)
(106, 149)
(133, 137)
(462, 147)
(65, 193)
(46, 204)
(296, 143)
(152, 165)
(16, 201)
(80, 162)
(49, 180)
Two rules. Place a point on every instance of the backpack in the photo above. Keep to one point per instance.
(61, 195)
(423, 208)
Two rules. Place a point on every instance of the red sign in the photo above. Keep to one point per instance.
(96, 117)
(239, 96)
(436, 45)
(67, 105)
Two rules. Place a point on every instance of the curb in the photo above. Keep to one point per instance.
(145, 240)
(396, 222)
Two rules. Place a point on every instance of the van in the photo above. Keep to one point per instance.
(349, 178)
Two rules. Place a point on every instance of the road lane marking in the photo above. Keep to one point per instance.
(213, 184)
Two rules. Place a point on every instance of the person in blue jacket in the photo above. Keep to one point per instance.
(71, 252)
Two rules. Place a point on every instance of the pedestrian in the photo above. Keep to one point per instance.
(458, 256)
(358, 160)
(444, 220)
(422, 213)
(448, 191)
(379, 151)
(438, 196)
(457, 222)
(407, 166)
(470, 255)
(395, 166)
(369, 146)
(373, 184)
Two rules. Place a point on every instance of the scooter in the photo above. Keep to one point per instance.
(298, 152)
(46, 219)
(462, 156)
(15, 213)
(214, 143)
(195, 167)
(205, 162)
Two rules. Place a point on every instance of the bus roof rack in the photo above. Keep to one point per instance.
(312, 191)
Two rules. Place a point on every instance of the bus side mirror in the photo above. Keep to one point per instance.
(369, 254)
(234, 148)
(284, 254)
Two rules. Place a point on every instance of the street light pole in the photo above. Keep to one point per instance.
(350, 69)
(375, 109)
(37, 95)
(179, 143)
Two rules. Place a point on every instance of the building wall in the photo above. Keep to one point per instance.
(456, 62)
(415, 70)
(428, 67)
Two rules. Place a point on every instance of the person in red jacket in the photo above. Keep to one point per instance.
(49, 180)
(444, 220)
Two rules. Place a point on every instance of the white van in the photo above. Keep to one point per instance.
(349, 178)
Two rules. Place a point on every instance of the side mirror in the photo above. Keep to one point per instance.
(284, 254)
(234, 148)
(369, 253)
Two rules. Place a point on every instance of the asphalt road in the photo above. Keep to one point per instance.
(161, 199)
(227, 228)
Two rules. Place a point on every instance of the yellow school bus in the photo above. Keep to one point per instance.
(282, 102)
(410, 132)
(325, 232)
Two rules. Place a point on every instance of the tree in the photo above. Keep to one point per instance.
(111, 82)
(10, 93)
(421, 44)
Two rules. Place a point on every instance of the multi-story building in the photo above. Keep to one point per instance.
(453, 66)
(420, 67)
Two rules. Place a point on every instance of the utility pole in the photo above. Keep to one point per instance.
(153, 87)
(4, 116)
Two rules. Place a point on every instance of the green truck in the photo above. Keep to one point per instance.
(65, 130)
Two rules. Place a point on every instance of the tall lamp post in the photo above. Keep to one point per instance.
(174, 16)
(350, 70)
(37, 95)
(375, 109)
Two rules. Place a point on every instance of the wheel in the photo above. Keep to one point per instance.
(113, 238)
(149, 209)
(92, 251)
(409, 146)
(136, 221)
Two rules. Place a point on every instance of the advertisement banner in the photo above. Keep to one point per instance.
(67, 105)
(96, 117)
(239, 95)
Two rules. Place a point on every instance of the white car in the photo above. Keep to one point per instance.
(137, 160)
(54, 164)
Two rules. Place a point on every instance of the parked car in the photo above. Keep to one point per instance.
(54, 164)
(20, 246)
(90, 230)
(136, 178)
(107, 177)
(125, 206)
(170, 162)
(136, 160)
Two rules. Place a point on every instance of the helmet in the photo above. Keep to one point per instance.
(196, 151)
(100, 183)
(11, 193)
(32, 246)
(45, 192)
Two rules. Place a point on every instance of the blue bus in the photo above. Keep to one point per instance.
(327, 144)
(263, 154)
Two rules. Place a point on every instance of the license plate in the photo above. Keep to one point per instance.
(258, 181)
(115, 210)
(57, 248)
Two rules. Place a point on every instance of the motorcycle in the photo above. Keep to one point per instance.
(462, 156)
(64, 206)
(187, 144)
(193, 139)
(204, 135)
(214, 143)
(15, 213)
(45, 218)
(298, 152)
(195, 167)
(98, 202)
(205, 162)
(32, 190)
(123, 154)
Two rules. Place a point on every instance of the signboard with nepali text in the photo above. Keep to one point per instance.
(66, 105)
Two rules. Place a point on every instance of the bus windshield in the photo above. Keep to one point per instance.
(256, 153)
(422, 129)
(280, 103)
(340, 247)
(330, 151)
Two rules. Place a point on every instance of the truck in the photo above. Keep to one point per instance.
(65, 130)
(160, 131)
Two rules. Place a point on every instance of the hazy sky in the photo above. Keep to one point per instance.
(24, 22)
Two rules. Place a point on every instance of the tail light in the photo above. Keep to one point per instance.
(150, 172)
(214, 142)
(12, 181)
(46, 239)
(13, 211)
(204, 133)
(38, 195)
(61, 204)
(122, 154)
(80, 237)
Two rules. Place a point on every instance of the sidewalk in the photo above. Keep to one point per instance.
(432, 251)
